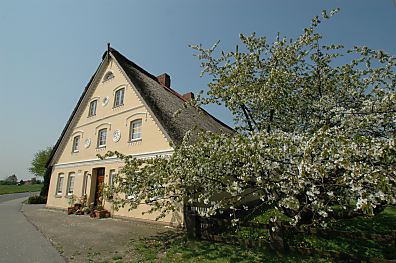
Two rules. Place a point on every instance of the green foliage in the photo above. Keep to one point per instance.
(37, 199)
(316, 125)
(39, 161)
(10, 180)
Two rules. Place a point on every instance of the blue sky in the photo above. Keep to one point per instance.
(49, 50)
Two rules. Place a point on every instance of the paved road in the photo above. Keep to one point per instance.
(8, 197)
(19, 240)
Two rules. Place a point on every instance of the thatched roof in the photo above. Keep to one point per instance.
(162, 101)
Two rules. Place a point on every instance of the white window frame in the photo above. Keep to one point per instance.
(59, 183)
(100, 139)
(135, 133)
(85, 183)
(76, 143)
(112, 175)
(70, 183)
(119, 97)
(92, 109)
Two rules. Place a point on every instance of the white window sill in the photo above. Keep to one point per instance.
(101, 148)
(77, 151)
(119, 107)
(58, 195)
(135, 141)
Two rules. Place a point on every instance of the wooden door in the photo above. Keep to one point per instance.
(99, 186)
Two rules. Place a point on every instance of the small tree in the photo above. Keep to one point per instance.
(12, 179)
(316, 134)
(39, 160)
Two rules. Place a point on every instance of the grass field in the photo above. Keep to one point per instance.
(179, 249)
(10, 189)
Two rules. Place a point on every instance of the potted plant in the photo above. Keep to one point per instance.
(100, 212)
(71, 209)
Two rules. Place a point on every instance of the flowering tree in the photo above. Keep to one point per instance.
(315, 136)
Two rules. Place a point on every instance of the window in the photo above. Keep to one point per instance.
(70, 184)
(136, 130)
(119, 98)
(92, 108)
(85, 183)
(109, 75)
(102, 138)
(111, 178)
(111, 182)
(76, 143)
(59, 185)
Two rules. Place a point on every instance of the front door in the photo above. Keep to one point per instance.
(99, 186)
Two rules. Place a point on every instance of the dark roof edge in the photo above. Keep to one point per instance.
(112, 50)
(86, 89)
(216, 119)
(72, 115)
(175, 93)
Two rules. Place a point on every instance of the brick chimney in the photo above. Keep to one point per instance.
(164, 79)
(188, 96)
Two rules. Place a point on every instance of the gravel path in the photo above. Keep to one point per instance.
(84, 239)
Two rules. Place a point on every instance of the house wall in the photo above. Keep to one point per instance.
(153, 142)
(114, 119)
(62, 200)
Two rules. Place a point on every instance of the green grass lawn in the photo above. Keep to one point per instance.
(175, 248)
(165, 249)
(10, 189)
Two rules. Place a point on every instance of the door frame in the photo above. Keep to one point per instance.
(99, 172)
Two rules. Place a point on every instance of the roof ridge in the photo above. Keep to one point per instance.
(142, 70)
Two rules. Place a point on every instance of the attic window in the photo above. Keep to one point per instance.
(108, 76)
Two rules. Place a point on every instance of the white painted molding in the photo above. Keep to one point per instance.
(110, 116)
(75, 133)
(98, 161)
(123, 86)
(107, 124)
(134, 116)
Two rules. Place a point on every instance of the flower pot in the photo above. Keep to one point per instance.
(70, 210)
(100, 213)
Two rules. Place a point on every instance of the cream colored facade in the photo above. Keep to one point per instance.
(83, 163)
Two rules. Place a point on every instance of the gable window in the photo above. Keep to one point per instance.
(109, 75)
(119, 97)
(136, 130)
(70, 184)
(59, 185)
(76, 143)
(92, 108)
(102, 134)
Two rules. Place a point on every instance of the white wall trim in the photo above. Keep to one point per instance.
(113, 159)
(109, 116)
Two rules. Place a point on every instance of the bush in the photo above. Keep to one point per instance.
(37, 199)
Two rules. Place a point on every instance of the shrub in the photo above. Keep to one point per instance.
(37, 199)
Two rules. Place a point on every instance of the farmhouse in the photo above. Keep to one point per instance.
(126, 109)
